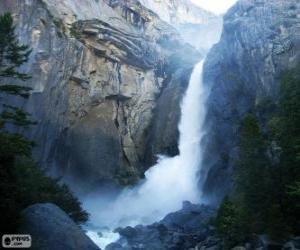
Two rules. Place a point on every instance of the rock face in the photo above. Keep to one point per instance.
(52, 228)
(197, 26)
(100, 70)
(260, 40)
(178, 230)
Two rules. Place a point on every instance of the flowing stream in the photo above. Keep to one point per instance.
(168, 183)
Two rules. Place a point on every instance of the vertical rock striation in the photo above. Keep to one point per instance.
(261, 38)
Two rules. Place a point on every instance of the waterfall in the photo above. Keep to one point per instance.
(172, 180)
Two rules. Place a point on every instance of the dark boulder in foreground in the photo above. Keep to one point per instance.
(51, 228)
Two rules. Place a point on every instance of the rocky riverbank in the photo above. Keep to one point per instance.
(191, 228)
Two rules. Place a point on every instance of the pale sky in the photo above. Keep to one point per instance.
(216, 6)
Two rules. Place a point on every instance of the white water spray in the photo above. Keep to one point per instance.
(171, 180)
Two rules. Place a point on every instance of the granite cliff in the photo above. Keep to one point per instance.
(101, 73)
(197, 26)
(260, 40)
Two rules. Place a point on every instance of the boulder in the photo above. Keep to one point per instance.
(51, 228)
(179, 230)
(293, 244)
(211, 243)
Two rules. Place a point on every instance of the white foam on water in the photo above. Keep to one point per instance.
(103, 238)
(168, 183)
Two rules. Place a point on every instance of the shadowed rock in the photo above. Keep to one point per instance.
(51, 228)
(179, 230)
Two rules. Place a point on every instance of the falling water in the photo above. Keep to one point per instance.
(171, 180)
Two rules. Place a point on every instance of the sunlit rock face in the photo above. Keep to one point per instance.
(197, 26)
(260, 40)
(100, 70)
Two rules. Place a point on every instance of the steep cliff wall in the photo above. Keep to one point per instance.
(197, 26)
(260, 40)
(99, 71)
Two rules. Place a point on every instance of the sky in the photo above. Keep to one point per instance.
(215, 6)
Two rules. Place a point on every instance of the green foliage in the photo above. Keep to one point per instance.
(230, 223)
(12, 56)
(75, 32)
(14, 144)
(35, 187)
(60, 26)
(22, 183)
(267, 196)
(12, 53)
(289, 130)
(288, 137)
(253, 168)
(15, 116)
(16, 90)
(294, 189)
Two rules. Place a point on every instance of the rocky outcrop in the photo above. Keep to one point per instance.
(260, 40)
(257, 242)
(190, 228)
(197, 26)
(178, 230)
(52, 228)
(99, 70)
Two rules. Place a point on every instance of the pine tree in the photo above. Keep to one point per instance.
(12, 53)
(288, 137)
(253, 173)
(267, 196)
(12, 56)
(22, 182)
(231, 223)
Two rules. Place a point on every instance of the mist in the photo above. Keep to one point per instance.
(170, 181)
(215, 6)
